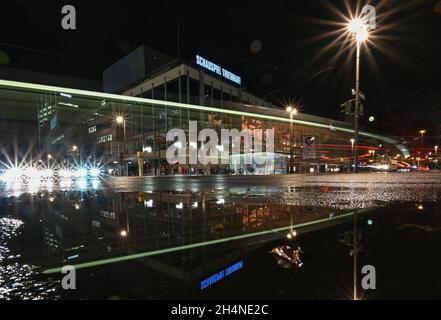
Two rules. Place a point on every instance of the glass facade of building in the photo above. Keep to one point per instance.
(127, 135)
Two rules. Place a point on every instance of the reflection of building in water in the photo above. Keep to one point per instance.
(160, 220)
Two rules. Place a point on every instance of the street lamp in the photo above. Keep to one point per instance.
(75, 149)
(436, 149)
(49, 158)
(422, 132)
(118, 121)
(359, 28)
(360, 31)
(292, 112)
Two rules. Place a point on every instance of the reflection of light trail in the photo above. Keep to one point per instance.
(200, 244)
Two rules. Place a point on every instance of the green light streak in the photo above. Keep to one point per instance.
(198, 245)
(102, 95)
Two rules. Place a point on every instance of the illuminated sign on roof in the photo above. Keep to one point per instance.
(218, 70)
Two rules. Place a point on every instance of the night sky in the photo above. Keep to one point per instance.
(278, 47)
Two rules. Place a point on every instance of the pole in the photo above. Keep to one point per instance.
(352, 151)
(291, 151)
(124, 149)
(301, 151)
(355, 236)
(357, 106)
(119, 157)
(124, 128)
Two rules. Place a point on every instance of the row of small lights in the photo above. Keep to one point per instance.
(34, 173)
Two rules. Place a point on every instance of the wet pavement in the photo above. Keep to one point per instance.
(159, 237)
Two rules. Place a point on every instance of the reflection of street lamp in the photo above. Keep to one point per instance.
(360, 30)
(292, 112)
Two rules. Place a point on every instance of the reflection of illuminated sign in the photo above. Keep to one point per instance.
(218, 70)
(220, 275)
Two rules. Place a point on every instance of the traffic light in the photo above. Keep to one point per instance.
(348, 107)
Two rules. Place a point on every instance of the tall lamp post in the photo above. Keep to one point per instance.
(76, 151)
(119, 120)
(292, 112)
(49, 158)
(352, 153)
(360, 31)
(422, 132)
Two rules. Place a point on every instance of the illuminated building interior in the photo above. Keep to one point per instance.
(126, 135)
